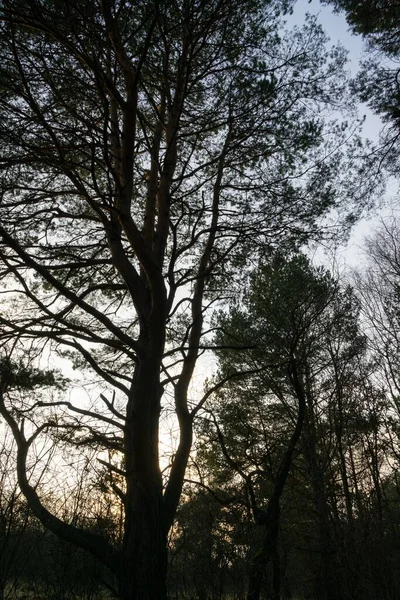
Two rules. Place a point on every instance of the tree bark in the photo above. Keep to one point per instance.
(144, 564)
(144, 552)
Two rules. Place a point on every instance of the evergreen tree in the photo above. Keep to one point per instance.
(148, 151)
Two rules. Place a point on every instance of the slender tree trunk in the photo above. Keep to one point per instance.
(276, 570)
(268, 552)
(269, 547)
(258, 566)
(326, 583)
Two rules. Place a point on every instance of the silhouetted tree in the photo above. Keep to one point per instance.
(148, 150)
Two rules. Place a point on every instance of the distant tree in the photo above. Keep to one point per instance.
(148, 152)
(31, 557)
(207, 559)
(14, 518)
(378, 286)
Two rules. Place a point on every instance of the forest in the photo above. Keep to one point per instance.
(197, 401)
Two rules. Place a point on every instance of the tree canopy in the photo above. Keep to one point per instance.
(378, 82)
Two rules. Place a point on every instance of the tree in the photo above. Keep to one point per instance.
(274, 321)
(207, 558)
(377, 19)
(14, 518)
(147, 151)
(378, 82)
(289, 404)
(378, 288)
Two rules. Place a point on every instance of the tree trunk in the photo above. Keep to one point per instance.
(144, 554)
(256, 575)
(144, 565)
(276, 573)
(268, 551)
(270, 518)
(326, 580)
